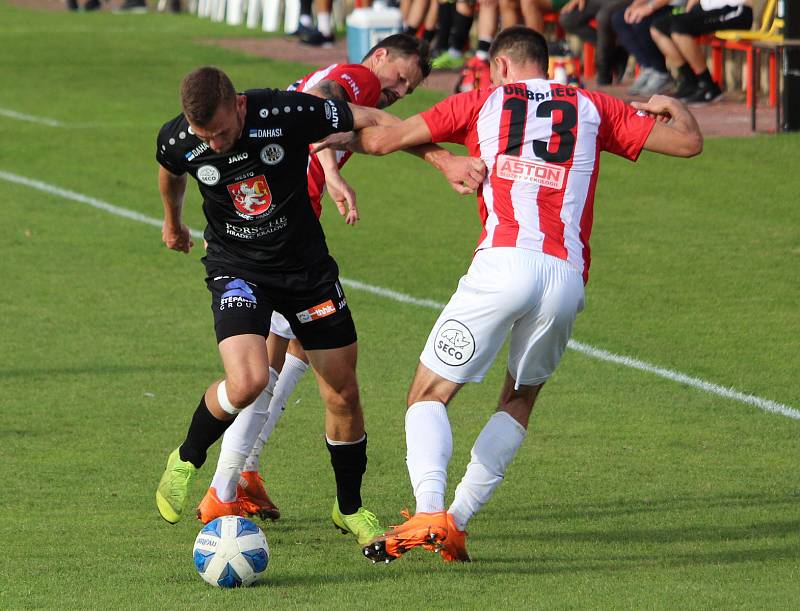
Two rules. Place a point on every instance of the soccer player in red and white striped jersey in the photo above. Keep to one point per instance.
(541, 143)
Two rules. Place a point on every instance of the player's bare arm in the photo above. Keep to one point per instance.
(338, 188)
(174, 233)
(386, 133)
(676, 132)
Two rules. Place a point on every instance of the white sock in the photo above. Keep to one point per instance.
(238, 440)
(292, 372)
(455, 52)
(229, 468)
(306, 21)
(324, 23)
(429, 445)
(493, 451)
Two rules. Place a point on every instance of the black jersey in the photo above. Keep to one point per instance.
(255, 197)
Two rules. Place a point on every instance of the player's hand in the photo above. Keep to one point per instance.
(658, 106)
(465, 174)
(337, 142)
(344, 197)
(177, 238)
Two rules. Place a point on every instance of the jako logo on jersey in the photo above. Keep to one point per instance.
(276, 132)
(237, 158)
(539, 172)
(318, 311)
(196, 151)
(331, 113)
(251, 197)
(353, 87)
(454, 344)
(238, 294)
(272, 154)
(208, 175)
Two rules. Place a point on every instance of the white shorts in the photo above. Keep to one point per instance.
(280, 326)
(534, 295)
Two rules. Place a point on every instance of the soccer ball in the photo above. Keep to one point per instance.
(230, 552)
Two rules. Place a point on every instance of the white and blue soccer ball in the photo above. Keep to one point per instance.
(230, 552)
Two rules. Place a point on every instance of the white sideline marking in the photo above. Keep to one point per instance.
(598, 353)
(13, 114)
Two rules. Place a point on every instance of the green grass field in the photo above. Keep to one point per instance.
(631, 491)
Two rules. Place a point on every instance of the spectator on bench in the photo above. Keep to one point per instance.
(632, 27)
(610, 58)
(675, 36)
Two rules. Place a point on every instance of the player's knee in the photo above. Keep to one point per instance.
(244, 387)
(342, 400)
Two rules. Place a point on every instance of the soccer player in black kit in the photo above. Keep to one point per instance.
(266, 251)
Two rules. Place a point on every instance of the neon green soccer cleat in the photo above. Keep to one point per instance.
(447, 61)
(363, 524)
(174, 487)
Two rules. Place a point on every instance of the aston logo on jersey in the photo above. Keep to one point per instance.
(518, 168)
(251, 197)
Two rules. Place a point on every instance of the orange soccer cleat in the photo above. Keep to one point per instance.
(426, 530)
(211, 507)
(454, 547)
(251, 489)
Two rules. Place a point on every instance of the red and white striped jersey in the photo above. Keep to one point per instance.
(541, 144)
(363, 88)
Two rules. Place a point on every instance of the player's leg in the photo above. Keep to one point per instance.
(244, 386)
(251, 484)
(241, 321)
(294, 368)
(538, 341)
(345, 437)
(461, 347)
(238, 357)
(323, 324)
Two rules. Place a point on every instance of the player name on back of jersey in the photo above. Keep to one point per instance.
(539, 172)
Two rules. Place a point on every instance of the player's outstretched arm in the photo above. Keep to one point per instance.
(676, 132)
(174, 233)
(381, 133)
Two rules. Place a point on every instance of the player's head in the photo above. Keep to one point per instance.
(212, 108)
(518, 53)
(400, 62)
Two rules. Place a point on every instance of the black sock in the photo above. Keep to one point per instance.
(409, 30)
(461, 27)
(204, 430)
(349, 464)
(429, 35)
(305, 7)
(484, 45)
(687, 74)
(444, 24)
(704, 78)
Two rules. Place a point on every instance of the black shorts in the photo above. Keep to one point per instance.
(312, 300)
(697, 21)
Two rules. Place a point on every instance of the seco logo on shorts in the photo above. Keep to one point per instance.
(454, 344)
